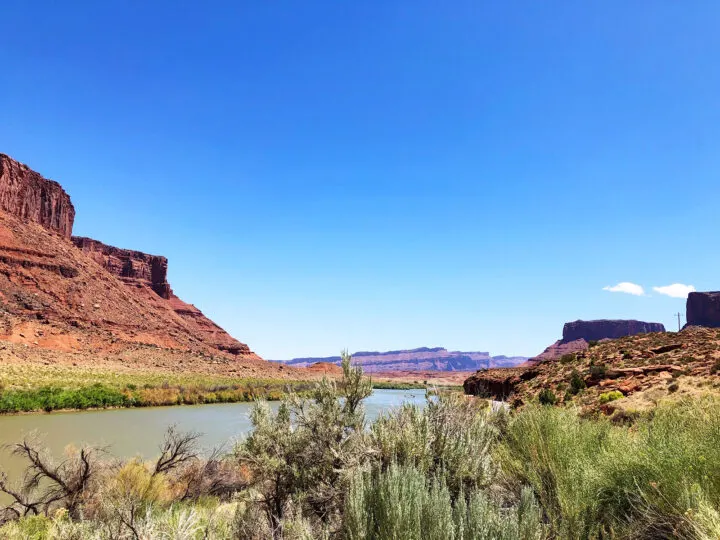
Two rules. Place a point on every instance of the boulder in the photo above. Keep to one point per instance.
(497, 384)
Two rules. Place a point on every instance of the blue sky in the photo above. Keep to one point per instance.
(380, 175)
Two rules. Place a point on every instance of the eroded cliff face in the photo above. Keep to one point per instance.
(148, 273)
(133, 267)
(27, 195)
(703, 309)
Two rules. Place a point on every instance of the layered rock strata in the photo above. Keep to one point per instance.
(133, 267)
(28, 196)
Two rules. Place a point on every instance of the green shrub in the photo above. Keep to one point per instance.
(451, 434)
(54, 398)
(403, 503)
(607, 397)
(662, 481)
(568, 358)
(598, 371)
(715, 367)
(306, 449)
(577, 383)
(547, 397)
(556, 453)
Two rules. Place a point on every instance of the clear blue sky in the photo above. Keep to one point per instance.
(381, 175)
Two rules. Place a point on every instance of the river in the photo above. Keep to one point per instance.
(138, 432)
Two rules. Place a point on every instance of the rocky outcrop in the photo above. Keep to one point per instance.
(133, 267)
(560, 349)
(607, 329)
(422, 359)
(578, 334)
(703, 309)
(497, 384)
(28, 196)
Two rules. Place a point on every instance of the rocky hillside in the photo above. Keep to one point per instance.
(625, 375)
(80, 297)
(577, 335)
(422, 359)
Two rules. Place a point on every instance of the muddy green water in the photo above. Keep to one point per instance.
(138, 432)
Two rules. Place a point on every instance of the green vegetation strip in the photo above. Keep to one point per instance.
(49, 388)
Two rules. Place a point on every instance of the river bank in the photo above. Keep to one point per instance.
(36, 388)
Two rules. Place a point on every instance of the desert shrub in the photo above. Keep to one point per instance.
(607, 397)
(451, 434)
(577, 383)
(556, 453)
(592, 343)
(28, 528)
(308, 448)
(673, 387)
(568, 358)
(547, 397)
(663, 482)
(598, 371)
(404, 503)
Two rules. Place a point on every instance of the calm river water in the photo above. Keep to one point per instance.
(138, 432)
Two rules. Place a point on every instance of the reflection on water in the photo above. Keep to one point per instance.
(138, 432)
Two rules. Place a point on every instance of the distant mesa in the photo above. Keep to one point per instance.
(421, 359)
(703, 309)
(607, 329)
(578, 334)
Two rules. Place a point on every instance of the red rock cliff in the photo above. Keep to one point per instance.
(703, 309)
(146, 272)
(130, 266)
(27, 195)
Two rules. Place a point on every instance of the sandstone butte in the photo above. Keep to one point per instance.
(578, 334)
(73, 300)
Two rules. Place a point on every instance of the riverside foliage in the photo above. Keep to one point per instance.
(455, 469)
